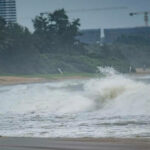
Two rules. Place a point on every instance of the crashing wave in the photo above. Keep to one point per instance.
(113, 94)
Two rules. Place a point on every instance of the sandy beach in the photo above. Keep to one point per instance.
(13, 143)
(10, 80)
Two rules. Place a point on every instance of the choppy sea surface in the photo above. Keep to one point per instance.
(113, 105)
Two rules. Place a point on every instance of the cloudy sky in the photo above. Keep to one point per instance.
(28, 9)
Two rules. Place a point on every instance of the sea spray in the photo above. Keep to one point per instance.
(113, 89)
(106, 106)
(107, 71)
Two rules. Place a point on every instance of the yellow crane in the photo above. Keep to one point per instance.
(145, 13)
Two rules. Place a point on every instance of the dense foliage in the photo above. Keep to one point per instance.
(53, 45)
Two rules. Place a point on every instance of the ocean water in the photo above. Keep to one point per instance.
(113, 105)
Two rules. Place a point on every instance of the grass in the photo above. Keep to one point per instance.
(55, 76)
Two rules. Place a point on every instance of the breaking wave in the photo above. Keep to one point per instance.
(112, 94)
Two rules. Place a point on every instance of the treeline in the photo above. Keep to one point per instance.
(24, 52)
(135, 48)
(52, 45)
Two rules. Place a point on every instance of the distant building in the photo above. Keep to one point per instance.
(8, 10)
(111, 35)
(90, 36)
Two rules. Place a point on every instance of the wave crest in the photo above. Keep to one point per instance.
(113, 94)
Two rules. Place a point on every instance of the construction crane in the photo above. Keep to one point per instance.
(96, 9)
(92, 9)
(146, 17)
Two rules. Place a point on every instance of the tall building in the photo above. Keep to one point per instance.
(8, 10)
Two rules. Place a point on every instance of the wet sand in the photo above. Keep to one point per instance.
(11, 80)
(13, 143)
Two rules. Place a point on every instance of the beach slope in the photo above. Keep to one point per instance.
(12, 143)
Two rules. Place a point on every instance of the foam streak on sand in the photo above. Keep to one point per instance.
(111, 106)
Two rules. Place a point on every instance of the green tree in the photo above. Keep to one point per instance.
(2, 33)
(55, 31)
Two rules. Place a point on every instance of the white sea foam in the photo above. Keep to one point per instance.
(94, 104)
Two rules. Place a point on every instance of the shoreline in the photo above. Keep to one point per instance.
(12, 80)
(28, 143)
(15, 80)
(85, 139)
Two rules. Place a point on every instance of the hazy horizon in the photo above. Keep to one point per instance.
(27, 10)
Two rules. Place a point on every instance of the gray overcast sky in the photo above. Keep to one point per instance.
(28, 9)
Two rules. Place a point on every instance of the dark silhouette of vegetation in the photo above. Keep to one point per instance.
(56, 32)
(53, 45)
